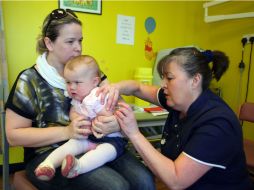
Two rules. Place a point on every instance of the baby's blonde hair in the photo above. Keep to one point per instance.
(86, 62)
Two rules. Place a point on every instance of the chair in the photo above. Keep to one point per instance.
(247, 114)
(5, 153)
(20, 182)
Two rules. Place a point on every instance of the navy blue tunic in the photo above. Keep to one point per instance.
(210, 134)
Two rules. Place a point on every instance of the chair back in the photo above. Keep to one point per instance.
(5, 152)
(247, 112)
(20, 181)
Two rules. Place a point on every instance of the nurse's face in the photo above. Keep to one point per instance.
(177, 86)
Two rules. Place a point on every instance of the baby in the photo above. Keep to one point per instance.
(82, 75)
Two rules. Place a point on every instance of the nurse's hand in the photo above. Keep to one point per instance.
(105, 125)
(127, 120)
(113, 95)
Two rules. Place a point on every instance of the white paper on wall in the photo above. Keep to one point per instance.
(125, 29)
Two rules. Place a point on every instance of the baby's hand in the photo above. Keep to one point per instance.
(96, 134)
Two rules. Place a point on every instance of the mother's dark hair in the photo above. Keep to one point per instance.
(194, 61)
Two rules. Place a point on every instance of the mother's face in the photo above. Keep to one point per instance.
(69, 42)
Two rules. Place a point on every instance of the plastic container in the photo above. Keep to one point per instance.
(144, 76)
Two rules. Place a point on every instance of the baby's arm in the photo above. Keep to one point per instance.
(104, 112)
(73, 114)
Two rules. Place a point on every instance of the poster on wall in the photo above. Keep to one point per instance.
(125, 29)
(85, 6)
(150, 25)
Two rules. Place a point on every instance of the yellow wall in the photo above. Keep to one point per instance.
(226, 35)
(177, 24)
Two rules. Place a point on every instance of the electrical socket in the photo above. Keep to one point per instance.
(248, 36)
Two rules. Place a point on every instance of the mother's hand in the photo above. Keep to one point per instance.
(105, 125)
(79, 128)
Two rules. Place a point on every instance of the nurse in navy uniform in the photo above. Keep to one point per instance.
(202, 141)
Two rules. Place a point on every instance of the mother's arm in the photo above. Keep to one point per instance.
(20, 132)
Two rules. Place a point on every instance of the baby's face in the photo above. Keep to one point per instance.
(78, 84)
